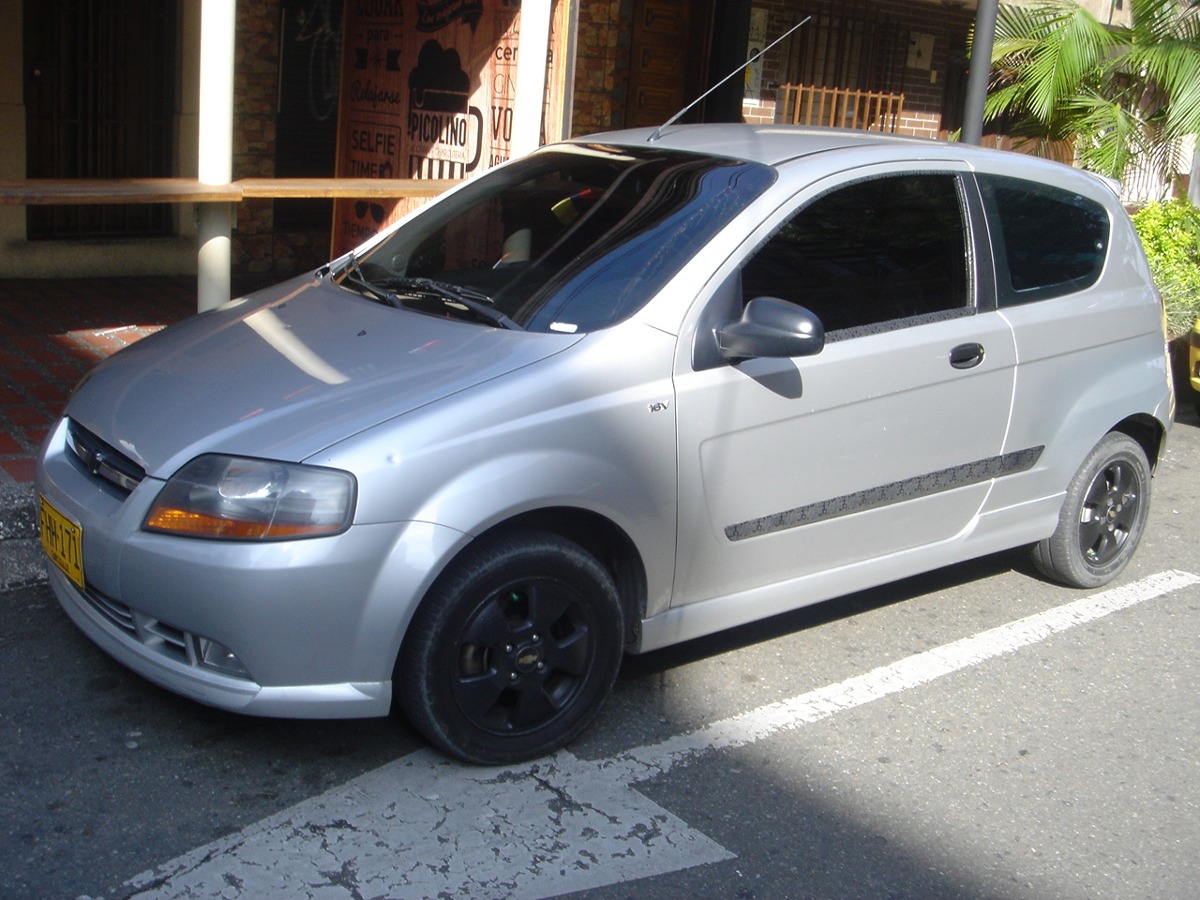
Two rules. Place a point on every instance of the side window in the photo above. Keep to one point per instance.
(871, 255)
(1048, 241)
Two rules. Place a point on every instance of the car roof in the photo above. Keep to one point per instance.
(776, 145)
(767, 144)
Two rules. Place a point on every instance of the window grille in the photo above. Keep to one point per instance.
(848, 45)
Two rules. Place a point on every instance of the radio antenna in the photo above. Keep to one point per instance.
(749, 62)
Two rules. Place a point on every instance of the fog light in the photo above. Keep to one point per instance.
(213, 655)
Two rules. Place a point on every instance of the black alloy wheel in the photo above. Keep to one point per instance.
(513, 651)
(1102, 518)
(1111, 511)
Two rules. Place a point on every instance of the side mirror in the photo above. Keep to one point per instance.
(773, 328)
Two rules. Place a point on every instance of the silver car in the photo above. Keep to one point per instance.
(623, 392)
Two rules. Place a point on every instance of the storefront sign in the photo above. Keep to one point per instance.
(428, 88)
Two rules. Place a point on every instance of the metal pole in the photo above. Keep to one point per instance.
(214, 223)
(1194, 177)
(980, 71)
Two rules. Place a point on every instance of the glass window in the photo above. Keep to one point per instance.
(871, 256)
(1048, 241)
(570, 239)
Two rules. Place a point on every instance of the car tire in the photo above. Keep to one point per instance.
(1102, 517)
(513, 651)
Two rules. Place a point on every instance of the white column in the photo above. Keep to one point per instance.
(218, 22)
(531, 75)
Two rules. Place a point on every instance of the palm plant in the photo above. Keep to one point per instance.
(1119, 94)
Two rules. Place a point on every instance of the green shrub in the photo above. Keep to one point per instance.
(1170, 232)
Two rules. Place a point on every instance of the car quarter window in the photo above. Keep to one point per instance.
(1048, 241)
(871, 256)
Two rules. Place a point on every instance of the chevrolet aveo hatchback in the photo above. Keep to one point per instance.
(626, 391)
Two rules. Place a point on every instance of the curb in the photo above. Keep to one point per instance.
(21, 560)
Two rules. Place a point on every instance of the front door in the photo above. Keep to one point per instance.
(885, 441)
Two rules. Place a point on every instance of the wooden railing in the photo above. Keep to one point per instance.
(212, 269)
(46, 191)
(801, 104)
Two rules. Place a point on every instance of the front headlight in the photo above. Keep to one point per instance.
(233, 498)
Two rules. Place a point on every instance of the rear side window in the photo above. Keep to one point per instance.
(1048, 241)
(871, 256)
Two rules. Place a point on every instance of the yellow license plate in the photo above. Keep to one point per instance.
(62, 540)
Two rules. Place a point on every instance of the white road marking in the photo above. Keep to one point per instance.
(423, 826)
(910, 672)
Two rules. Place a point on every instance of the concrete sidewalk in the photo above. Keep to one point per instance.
(51, 333)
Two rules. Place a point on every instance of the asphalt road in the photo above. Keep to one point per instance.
(1058, 757)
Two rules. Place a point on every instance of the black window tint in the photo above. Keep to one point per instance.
(1048, 241)
(629, 248)
(878, 251)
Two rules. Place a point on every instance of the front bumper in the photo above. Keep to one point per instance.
(166, 656)
(315, 624)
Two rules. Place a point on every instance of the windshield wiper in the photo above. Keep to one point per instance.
(476, 302)
(353, 273)
(479, 303)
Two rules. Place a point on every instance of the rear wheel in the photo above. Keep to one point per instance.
(513, 651)
(1102, 517)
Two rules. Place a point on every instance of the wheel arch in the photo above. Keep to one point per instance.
(1149, 434)
(599, 536)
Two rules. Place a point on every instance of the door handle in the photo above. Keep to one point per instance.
(966, 356)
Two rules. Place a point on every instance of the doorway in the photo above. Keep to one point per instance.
(100, 103)
(669, 49)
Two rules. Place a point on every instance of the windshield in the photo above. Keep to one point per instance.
(570, 239)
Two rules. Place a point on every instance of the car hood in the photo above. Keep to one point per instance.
(287, 372)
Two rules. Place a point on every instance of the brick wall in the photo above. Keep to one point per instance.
(601, 65)
(923, 88)
(256, 87)
(257, 246)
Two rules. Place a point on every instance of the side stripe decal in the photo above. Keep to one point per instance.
(885, 495)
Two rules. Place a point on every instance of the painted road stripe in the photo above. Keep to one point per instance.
(423, 826)
(913, 671)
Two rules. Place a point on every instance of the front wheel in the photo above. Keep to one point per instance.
(513, 651)
(1102, 517)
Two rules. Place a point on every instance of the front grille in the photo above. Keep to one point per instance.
(163, 638)
(174, 641)
(117, 613)
(149, 632)
(102, 459)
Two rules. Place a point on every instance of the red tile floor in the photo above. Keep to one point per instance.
(52, 331)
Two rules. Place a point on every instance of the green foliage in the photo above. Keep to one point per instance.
(1061, 74)
(1170, 232)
